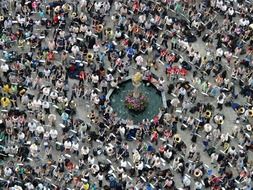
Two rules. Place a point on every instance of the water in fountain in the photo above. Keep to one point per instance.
(152, 109)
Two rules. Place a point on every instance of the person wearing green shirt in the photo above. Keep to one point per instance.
(178, 8)
(174, 42)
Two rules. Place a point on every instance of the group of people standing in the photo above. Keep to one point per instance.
(59, 59)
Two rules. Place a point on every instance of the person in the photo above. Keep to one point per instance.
(220, 101)
(100, 177)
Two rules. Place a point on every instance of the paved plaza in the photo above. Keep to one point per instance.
(59, 129)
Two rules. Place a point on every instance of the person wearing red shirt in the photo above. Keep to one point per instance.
(82, 77)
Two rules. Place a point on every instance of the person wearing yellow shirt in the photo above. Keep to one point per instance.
(86, 186)
(6, 88)
(5, 102)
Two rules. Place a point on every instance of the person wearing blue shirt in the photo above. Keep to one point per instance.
(130, 52)
(110, 47)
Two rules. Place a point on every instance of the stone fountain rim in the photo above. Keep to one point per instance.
(163, 96)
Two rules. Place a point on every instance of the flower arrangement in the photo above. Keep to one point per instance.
(136, 104)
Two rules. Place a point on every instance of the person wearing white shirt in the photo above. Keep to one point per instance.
(219, 4)
(118, 34)
(85, 152)
(109, 77)
(107, 6)
(117, 5)
(75, 50)
(147, 25)
(7, 172)
(139, 167)
(67, 145)
(243, 22)
(53, 134)
(182, 93)
(192, 150)
(62, 33)
(114, 83)
(94, 169)
(91, 160)
(168, 22)
(34, 150)
(139, 61)
(94, 79)
(123, 10)
(32, 127)
(186, 182)
(53, 96)
(46, 107)
(220, 101)
(198, 185)
(21, 137)
(219, 54)
(136, 156)
(100, 177)
(36, 104)
(83, 29)
(29, 186)
(75, 147)
(123, 163)
(88, 35)
(157, 162)
(224, 8)
(46, 136)
(96, 48)
(231, 12)
(46, 92)
(232, 151)
(47, 73)
(40, 130)
(51, 45)
(142, 19)
(168, 153)
(97, 6)
(122, 131)
(93, 96)
(5, 68)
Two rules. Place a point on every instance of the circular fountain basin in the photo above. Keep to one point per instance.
(117, 98)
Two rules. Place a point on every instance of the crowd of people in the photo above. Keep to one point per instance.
(59, 59)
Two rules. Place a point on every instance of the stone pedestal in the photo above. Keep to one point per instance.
(136, 92)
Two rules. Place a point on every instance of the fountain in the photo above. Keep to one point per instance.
(136, 99)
